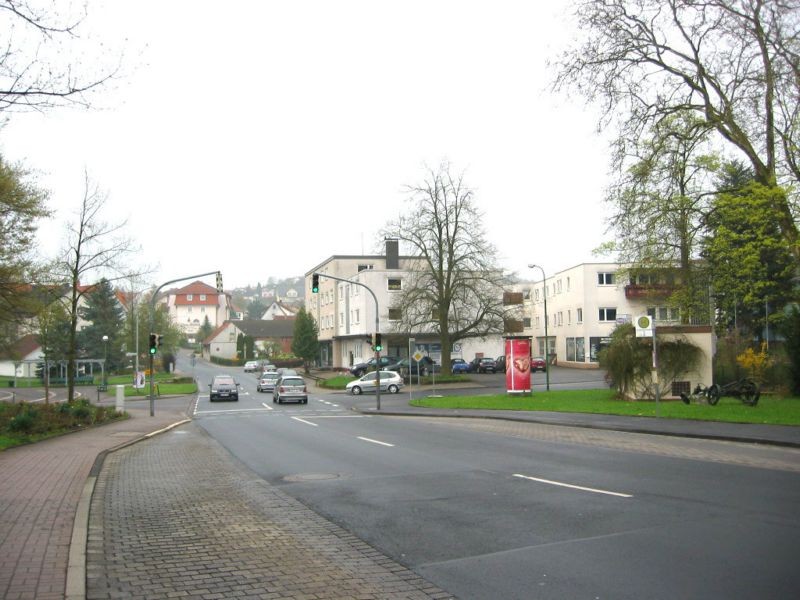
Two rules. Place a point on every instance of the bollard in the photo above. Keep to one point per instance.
(120, 406)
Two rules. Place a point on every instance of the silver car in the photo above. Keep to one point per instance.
(390, 382)
(291, 388)
(267, 381)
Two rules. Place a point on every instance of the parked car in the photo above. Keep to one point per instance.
(484, 365)
(359, 369)
(223, 387)
(251, 366)
(459, 365)
(390, 382)
(267, 381)
(538, 364)
(426, 366)
(500, 363)
(290, 388)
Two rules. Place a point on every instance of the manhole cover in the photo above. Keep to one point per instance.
(311, 477)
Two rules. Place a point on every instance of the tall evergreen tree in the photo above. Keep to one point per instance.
(305, 342)
(107, 318)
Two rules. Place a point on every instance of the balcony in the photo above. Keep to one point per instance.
(636, 291)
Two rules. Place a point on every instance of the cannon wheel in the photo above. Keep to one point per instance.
(713, 393)
(749, 392)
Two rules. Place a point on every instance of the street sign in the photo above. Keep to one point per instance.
(418, 356)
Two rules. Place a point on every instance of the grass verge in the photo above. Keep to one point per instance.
(770, 410)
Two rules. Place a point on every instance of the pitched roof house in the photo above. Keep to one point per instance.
(222, 342)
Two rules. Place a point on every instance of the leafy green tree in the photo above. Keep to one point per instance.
(790, 328)
(52, 335)
(731, 63)
(750, 261)
(22, 205)
(107, 318)
(256, 309)
(305, 342)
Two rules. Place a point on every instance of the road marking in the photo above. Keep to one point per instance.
(230, 410)
(306, 422)
(342, 416)
(375, 442)
(267, 406)
(574, 487)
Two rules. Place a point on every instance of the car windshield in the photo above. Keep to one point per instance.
(223, 381)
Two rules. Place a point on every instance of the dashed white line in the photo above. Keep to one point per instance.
(574, 487)
(306, 422)
(267, 406)
(375, 441)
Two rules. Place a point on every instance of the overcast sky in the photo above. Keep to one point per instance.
(259, 138)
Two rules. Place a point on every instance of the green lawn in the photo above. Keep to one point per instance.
(770, 410)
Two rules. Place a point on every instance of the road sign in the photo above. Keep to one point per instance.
(418, 356)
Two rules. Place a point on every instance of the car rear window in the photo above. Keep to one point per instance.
(292, 381)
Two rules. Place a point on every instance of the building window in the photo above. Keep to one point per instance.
(605, 279)
(536, 295)
(395, 284)
(608, 314)
(580, 315)
(395, 314)
(571, 349)
(569, 317)
(526, 294)
(189, 297)
(567, 283)
(526, 322)
(365, 267)
(189, 309)
(202, 297)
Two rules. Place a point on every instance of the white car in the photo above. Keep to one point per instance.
(390, 382)
(267, 381)
(251, 366)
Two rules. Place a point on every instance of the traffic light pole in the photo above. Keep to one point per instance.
(153, 317)
(377, 332)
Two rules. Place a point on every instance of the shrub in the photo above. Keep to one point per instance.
(22, 423)
(755, 363)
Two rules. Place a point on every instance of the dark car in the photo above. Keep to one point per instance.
(426, 366)
(484, 365)
(459, 365)
(359, 369)
(500, 363)
(223, 387)
(538, 364)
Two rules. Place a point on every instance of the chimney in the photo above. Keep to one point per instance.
(392, 254)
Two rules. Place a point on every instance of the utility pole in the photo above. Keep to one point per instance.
(316, 277)
(152, 321)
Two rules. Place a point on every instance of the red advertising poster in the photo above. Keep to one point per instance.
(518, 365)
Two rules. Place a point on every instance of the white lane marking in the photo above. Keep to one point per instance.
(375, 442)
(342, 416)
(230, 410)
(267, 406)
(306, 422)
(574, 487)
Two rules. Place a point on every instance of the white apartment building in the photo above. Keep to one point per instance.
(345, 311)
(189, 306)
(584, 305)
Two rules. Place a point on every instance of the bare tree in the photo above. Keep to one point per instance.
(40, 64)
(735, 64)
(93, 246)
(454, 288)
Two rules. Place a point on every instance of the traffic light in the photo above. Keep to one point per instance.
(378, 345)
(159, 340)
(315, 283)
(219, 282)
(153, 343)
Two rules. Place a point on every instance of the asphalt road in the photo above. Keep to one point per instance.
(511, 510)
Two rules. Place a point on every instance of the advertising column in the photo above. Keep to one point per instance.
(518, 365)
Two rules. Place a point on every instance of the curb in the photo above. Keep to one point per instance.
(603, 427)
(76, 565)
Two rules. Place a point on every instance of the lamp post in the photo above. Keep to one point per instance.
(105, 357)
(546, 341)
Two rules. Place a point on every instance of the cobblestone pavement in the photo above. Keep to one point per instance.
(178, 517)
(754, 455)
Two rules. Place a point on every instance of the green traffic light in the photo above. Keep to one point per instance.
(152, 350)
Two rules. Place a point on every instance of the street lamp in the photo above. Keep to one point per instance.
(546, 343)
(105, 357)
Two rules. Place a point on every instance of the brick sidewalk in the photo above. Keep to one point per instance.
(41, 489)
(178, 517)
